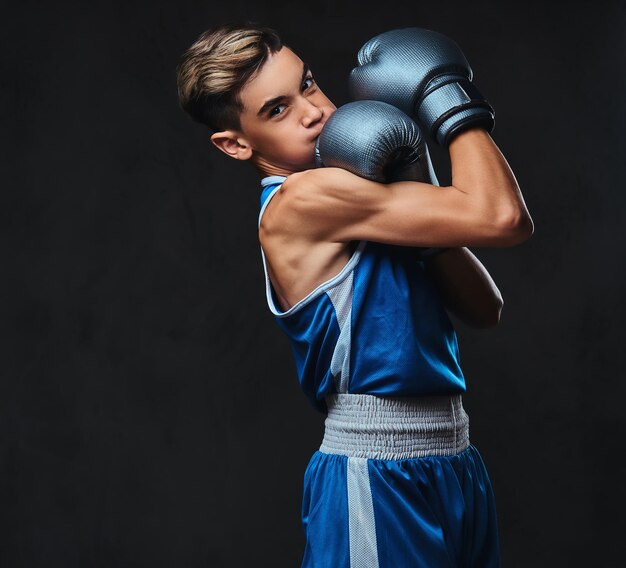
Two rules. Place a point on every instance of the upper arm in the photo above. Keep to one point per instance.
(332, 204)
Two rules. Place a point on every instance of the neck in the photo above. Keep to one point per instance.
(265, 168)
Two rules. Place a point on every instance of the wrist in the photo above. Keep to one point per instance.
(469, 136)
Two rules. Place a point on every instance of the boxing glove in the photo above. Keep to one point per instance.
(376, 141)
(425, 74)
(379, 142)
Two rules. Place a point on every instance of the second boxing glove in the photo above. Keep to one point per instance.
(425, 74)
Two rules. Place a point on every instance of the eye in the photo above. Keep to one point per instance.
(309, 78)
(272, 113)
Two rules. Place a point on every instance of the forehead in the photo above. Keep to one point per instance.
(280, 75)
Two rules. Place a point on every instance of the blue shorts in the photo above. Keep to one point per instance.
(433, 511)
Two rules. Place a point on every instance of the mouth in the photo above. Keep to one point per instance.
(314, 139)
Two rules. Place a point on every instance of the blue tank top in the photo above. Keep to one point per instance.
(378, 327)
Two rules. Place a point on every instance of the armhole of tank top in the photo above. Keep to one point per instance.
(343, 273)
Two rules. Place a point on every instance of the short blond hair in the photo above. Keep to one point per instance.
(212, 72)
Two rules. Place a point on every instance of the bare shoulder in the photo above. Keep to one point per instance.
(280, 217)
(298, 258)
(324, 202)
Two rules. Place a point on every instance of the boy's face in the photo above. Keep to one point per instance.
(284, 112)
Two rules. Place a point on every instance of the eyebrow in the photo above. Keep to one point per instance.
(271, 102)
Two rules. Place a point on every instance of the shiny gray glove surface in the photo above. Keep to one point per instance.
(379, 142)
(425, 74)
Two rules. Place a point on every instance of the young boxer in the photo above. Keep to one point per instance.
(396, 481)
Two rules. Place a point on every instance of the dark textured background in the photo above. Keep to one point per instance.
(149, 409)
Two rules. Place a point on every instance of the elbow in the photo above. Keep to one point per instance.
(514, 228)
(490, 318)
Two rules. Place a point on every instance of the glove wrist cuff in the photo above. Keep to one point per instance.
(452, 105)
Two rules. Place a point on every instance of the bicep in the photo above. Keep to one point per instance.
(333, 204)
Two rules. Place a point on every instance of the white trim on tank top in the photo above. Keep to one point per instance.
(354, 259)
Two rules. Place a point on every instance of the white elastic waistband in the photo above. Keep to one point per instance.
(392, 428)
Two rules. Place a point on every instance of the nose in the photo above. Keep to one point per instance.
(312, 114)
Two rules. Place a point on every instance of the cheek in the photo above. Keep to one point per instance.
(326, 102)
(287, 145)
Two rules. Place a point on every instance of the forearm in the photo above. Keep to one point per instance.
(466, 287)
(480, 170)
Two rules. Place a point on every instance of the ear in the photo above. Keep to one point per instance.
(232, 144)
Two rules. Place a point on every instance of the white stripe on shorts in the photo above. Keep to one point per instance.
(361, 522)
